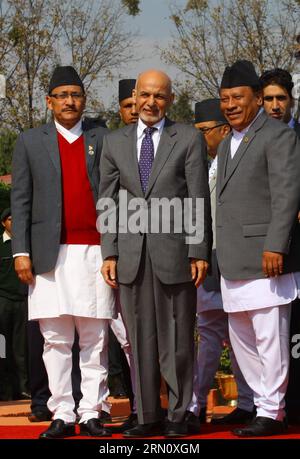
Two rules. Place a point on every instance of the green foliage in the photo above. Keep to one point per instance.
(4, 196)
(181, 110)
(132, 6)
(225, 364)
(7, 143)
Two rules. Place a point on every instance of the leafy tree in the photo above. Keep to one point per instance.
(132, 6)
(37, 35)
(181, 110)
(212, 34)
(7, 143)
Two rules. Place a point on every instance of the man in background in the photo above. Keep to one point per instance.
(13, 321)
(277, 85)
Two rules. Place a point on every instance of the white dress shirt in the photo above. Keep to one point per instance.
(245, 295)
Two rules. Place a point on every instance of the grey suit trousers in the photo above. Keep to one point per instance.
(160, 319)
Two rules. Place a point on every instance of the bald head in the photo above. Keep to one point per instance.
(153, 95)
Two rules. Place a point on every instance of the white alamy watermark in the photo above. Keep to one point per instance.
(156, 215)
(2, 347)
(2, 87)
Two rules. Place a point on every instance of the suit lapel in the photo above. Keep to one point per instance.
(222, 160)
(90, 144)
(165, 146)
(130, 147)
(51, 144)
(230, 165)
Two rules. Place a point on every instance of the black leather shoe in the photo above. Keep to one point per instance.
(129, 423)
(58, 429)
(237, 416)
(261, 427)
(105, 417)
(94, 428)
(116, 387)
(202, 415)
(192, 422)
(144, 430)
(40, 416)
(176, 429)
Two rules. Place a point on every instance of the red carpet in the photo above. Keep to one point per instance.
(208, 432)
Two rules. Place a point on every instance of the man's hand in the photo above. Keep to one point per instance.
(23, 268)
(109, 272)
(272, 264)
(198, 271)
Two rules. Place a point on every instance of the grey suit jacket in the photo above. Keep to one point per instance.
(36, 197)
(297, 128)
(258, 194)
(179, 170)
(212, 281)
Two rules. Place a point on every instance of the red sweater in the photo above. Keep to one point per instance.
(78, 211)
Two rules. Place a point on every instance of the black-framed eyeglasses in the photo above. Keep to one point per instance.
(66, 95)
(206, 130)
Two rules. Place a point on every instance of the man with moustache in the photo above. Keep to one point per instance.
(212, 321)
(258, 193)
(277, 85)
(157, 272)
(56, 248)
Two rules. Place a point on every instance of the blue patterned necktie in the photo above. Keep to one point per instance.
(146, 157)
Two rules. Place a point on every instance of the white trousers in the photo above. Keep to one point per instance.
(120, 332)
(260, 340)
(58, 334)
(213, 330)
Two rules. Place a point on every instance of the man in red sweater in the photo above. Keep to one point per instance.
(57, 252)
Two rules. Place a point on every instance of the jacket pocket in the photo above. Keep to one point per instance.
(259, 229)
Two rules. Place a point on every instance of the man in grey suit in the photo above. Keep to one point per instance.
(258, 193)
(56, 249)
(157, 270)
(277, 85)
(212, 321)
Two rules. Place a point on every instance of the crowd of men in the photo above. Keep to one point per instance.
(239, 279)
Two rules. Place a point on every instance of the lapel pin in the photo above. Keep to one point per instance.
(91, 150)
(246, 139)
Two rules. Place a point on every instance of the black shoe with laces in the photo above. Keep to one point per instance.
(58, 429)
(129, 423)
(94, 428)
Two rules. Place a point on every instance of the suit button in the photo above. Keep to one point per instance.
(219, 203)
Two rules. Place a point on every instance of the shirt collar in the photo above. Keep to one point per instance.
(142, 126)
(6, 236)
(240, 134)
(70, 134)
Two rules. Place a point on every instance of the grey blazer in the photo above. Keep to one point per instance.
(179, 170)
(36, 198)
(212, 281)
(258, 194)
